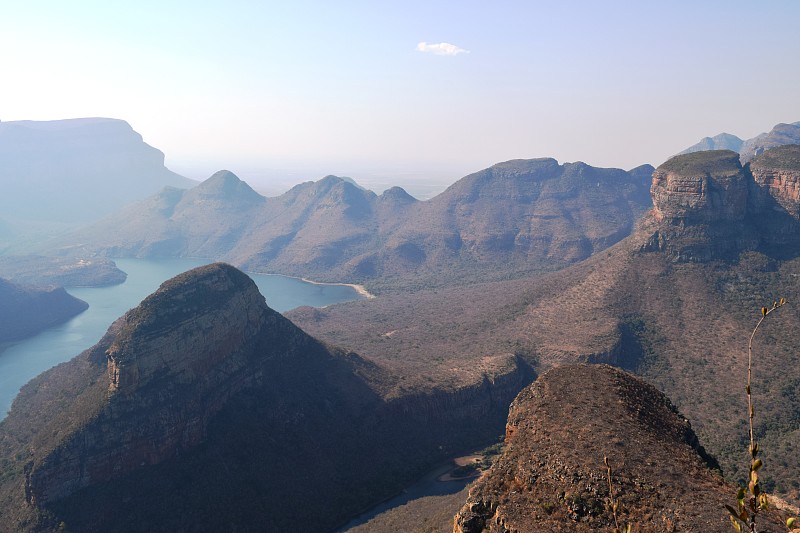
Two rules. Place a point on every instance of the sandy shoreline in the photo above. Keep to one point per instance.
(466, 460)
(360, 289)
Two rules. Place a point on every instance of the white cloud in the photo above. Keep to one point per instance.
(441, 49)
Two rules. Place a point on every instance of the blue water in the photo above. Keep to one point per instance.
(23, 360)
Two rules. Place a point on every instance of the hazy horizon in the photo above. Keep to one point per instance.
(417, 95)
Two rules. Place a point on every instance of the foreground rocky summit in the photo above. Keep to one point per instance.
(203, 409)
(552, 477)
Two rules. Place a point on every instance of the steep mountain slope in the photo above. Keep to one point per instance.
(76, 170)
(516, 217)
(203, 409)
(25, 311)
(204, 221)
(552, 477)
(674, 302)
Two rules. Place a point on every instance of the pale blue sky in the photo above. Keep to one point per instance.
(339, 87)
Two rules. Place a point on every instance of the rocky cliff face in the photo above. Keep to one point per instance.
(204, 409)
(777, 174)
(699, 204)
(706, 206)
(552, 477)
(25, 311)
(704, 187)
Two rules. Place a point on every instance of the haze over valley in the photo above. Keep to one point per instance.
(443, 267)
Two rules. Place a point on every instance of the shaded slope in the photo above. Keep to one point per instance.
(25, 311)
(551, 475)
(202, 409)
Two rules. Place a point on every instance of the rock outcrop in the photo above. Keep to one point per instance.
(699, 204)
(703, 187)
(25, 311)
(777, 173)
(707, 206)
(204, 409)
(551, 475)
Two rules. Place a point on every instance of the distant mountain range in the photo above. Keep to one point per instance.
(76, 170)
(513, 218)
(779, 135)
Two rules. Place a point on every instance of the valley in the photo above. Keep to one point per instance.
(210, 408)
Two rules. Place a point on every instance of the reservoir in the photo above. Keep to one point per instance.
(23, 360)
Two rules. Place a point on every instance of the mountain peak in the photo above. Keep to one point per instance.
(397, 195)
(191, 303)
(228, 186)
(723, 141)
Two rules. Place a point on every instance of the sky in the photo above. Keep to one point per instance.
(408, 92)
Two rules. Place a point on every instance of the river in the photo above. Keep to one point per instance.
(23, 360)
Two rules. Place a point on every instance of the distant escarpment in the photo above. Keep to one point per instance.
(25, 311)
(551, 475)
(707, 206)
(76, 170)
(203, 409)
(515, 217)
